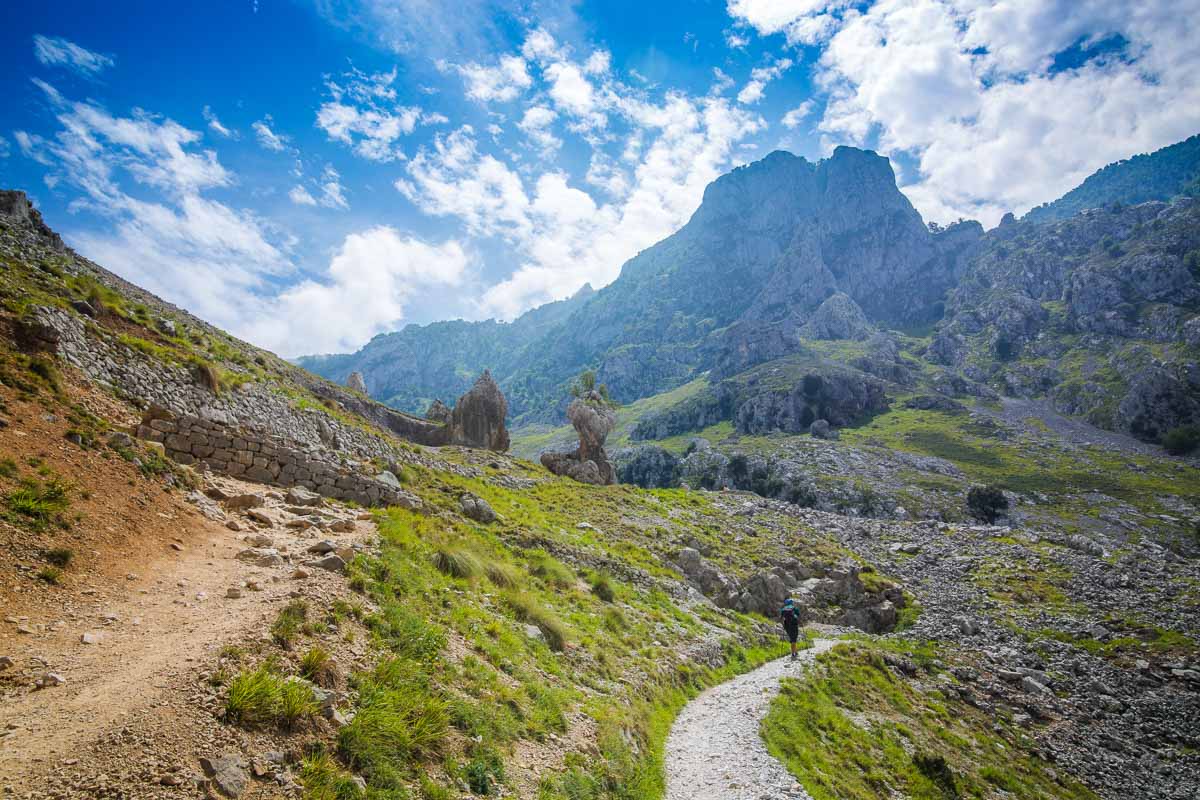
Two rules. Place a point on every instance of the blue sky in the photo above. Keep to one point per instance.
(309, 174)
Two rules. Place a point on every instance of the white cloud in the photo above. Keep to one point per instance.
(267, 137)
(214, 124)
(795, 116)
(365, 290)
(364, 114)
(301, 196)
(752, 92)
(501, 83)
(801, 21)
(536, 124)
(332, 193)
(971, 94)
(5, 149)
(54, 51)
(598, 63)
(564, 236)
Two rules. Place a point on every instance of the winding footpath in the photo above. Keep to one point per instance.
(715, 751)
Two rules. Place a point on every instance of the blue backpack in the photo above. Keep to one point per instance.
(790, 614)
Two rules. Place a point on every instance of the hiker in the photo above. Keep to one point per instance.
(789, 615)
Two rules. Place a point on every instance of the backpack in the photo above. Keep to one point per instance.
(790, 614)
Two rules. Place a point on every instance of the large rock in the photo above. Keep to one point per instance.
(648, 466)
(439, 412)
(479, 415)
(588, 463)
(227, 773)
(838, 317)
(356, 382)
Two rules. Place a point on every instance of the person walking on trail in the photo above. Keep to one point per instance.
(789, 615)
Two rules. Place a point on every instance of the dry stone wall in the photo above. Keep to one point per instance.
(253, 432)
(255, 456)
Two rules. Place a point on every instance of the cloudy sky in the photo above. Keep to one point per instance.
(309, 173)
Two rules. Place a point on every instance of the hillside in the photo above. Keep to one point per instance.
(180, 622)
(1163, 175)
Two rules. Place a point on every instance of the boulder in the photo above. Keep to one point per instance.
(478, 417)
(820, 429)
(477, 508)
(242, 502)
(331, 562)
(356, 383)
(299, 496)
(260, 556)
(227, 773)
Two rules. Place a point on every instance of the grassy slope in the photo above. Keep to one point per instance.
(855, 729)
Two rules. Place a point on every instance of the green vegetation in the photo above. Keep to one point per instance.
(987, 502)
(287, 625)
(262, 696)
(1182, 440)
(38, 504)
(854, 728)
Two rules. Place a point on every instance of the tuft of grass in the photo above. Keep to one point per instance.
(552, 571)
(457, 562)
(323, 779)
(38, 504)
(317, 666)
(502, 575)
(393, 727)
(296, 703)
(8, 468)
(253, 698)
(288, 624)
(60, 556)
(602, 587)
(526, 608)
(44, 368)
(50, 575)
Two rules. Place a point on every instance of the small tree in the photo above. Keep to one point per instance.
(585, 385)
(986, 503)
(1182, 440)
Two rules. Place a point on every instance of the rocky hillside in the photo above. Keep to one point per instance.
(1165, 175)
(769, 243)
(199, 603)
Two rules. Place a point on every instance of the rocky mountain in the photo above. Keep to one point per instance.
(1165, 174)
(770, 242)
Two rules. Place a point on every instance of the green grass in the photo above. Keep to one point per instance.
(853, 729)
(38, 504)
(253, 698)
(288, 624)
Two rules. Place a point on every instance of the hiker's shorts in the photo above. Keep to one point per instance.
(793, 631)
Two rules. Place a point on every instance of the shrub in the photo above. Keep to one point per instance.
(484, 772)
(8, 468)
(986, 503)
(1182, 440)
(287, 625)
(50, 575)
(457, 562)
(935, 768)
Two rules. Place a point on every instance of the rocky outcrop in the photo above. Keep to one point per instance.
(593, 420)
(841, 397)
(835, 595)
(356, 383)
(439, 412)
(838, 317)
(478, 419)
(649, 467)
(16, 207)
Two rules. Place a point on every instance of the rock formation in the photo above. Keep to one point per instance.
(588, 463)
(479, 415)
(439, 412)
(838, 317)
(356, 382)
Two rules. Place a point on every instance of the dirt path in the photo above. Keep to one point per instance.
(714, 750)
(134, 650)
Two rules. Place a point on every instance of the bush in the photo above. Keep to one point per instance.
(50, 575)
(1182, 440)
(986, 503)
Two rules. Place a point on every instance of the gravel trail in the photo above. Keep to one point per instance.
(714, 750)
